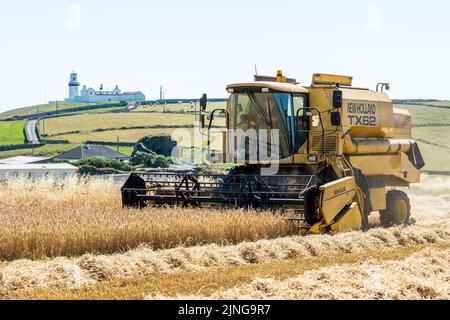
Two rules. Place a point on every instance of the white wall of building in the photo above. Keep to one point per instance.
(37, 171)
(104, 98)
(73, 92)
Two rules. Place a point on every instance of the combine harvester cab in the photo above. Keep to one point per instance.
(340, 152)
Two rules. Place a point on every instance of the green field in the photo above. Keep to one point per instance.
(49, 107)
(175, 115)
(439, 103)
(423, 115)
(111, 136)
(11, 132)
(432, 130)
(179, 107)
(124, 126)
(90, 122)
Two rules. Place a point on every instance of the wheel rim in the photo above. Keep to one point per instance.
(401, 210)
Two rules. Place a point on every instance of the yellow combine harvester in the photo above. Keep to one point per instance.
(339, 151)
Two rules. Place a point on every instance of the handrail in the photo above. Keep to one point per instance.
(321, 123)
(211, 118)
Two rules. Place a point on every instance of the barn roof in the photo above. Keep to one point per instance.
(23, 160)
(88, 151)
(38, 166)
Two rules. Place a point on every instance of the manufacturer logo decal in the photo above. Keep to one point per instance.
(362, 114)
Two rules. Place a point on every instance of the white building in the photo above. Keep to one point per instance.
(90, 95)
(36, 171)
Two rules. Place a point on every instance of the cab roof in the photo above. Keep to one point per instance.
(277, 86)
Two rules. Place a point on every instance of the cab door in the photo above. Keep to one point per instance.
(302, 121)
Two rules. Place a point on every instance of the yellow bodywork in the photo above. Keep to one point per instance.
(335, 196)
(350, 221)
(331, 79)
(337, 206)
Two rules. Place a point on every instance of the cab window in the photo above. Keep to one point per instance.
(301, 120)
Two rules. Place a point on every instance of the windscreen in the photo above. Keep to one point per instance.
(261, 114)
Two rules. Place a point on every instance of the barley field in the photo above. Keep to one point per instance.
(431, 126)
(73, 240)
(86, 216)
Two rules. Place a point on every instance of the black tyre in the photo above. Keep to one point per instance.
(363, 197)
(398, 209)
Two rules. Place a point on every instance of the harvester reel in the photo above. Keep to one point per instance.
(183, 188)
(226, 191)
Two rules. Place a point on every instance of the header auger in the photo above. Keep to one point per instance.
(339, 152)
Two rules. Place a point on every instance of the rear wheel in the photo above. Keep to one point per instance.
(398, 209)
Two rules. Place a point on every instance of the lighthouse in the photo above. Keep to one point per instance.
(73, 85)
(90, 95)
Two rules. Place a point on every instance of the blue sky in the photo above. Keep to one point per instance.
(193, 47)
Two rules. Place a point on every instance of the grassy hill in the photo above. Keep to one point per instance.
(25, 111)
(125, 126)
(61, 107)
(103, 124)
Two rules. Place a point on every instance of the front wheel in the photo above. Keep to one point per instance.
(398, 209)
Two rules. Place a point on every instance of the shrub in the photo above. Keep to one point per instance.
(93, 171)
(161, 162)
(150, 159)
(162, 145)
(140, 157)
(101, 163)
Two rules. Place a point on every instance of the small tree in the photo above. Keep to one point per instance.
(161, 162)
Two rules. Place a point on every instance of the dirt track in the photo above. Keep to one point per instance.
(31, 132)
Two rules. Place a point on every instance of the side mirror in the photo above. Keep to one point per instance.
(337, 99)
(335, 119)
(204, 102)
